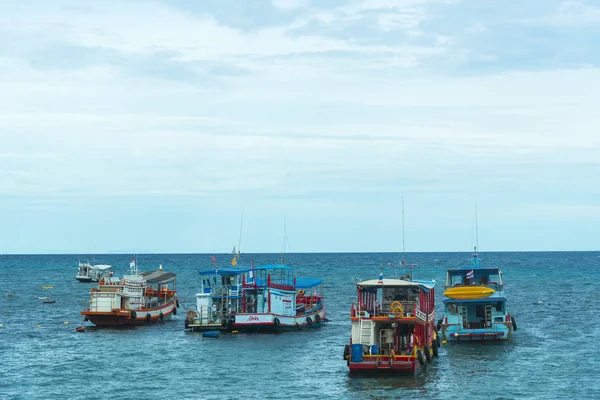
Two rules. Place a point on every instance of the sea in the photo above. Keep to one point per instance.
(554, 296)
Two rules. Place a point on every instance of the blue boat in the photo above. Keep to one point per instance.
(475, 307)
(211, 334)
(265, 297)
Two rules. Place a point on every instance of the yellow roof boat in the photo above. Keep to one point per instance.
(468, 292)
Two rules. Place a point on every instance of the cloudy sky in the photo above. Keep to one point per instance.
(150, 125)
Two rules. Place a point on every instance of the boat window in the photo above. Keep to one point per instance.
(499, 307)
(456, 280)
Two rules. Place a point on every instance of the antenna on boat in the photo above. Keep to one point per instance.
(402, 230)
(241, 225)
(476, 228)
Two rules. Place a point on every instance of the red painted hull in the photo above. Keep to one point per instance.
(123, 317)
(383, 366)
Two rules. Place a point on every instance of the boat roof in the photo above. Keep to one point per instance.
(158, 276)
(226, 271)
(101, 266)
(395, 282)
(473, 267)
(301, 283)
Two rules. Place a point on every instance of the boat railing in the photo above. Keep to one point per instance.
(385, 309)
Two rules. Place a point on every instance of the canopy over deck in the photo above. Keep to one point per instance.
(396, 283)
(158, 276)
(101, 266)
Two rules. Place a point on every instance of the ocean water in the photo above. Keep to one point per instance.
(552, 355)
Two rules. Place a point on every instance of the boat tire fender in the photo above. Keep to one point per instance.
(187, 324)
(148, 317)
(174, 310)
(434, 348)
(276, 322)
(309, 321)
(427, 352)
(420, 357)
(133, 314)
(346, 351)
(176, 303)
(161, 316)
(514, 323)
(318, 319)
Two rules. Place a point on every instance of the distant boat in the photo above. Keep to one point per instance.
(87, 272)
(47, 300)
(138, 298)
(475, 307)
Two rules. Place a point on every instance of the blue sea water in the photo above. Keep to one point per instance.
(553, 354)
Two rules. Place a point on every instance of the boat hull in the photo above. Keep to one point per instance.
(125, 318)
(274, 322)
(381, 364)
(456, 333)
(85, 279)
(469, 292)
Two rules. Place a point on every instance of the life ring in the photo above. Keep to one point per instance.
(514, 323)
(190, 314)
(318, 319)
(397, 308)
(301, 292)
(148, 317)
(161, 316)
(276, 322)
(427, 352)
(133, 314)
(308, 321)
(420, 357)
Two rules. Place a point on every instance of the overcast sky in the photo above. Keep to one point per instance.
(130, 126)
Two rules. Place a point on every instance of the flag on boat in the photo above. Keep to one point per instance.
(470, 274)
(214, 260)
(234, 261)
(132, 263)
(380, 277)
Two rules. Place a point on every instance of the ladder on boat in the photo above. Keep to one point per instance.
(488, 316)
(463, 316)
(366, 330)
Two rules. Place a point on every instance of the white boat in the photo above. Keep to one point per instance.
(92, 273)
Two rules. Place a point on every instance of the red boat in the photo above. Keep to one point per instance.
(393, 326)
(138, 298)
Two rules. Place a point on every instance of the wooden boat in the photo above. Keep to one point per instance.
(267, 297)
(475, 307)
(393, 326)
(138, 298)
(469, 292)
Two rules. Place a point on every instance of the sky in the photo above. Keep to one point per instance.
(152, 126)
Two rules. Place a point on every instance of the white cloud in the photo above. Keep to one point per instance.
(317, 119)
